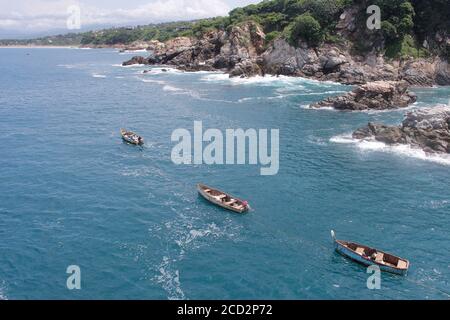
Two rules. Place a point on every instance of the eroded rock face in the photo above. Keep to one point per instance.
(243, 52)
(236, 51)
(428, 129)
(426, 73)
(326, 63)
(378, 95)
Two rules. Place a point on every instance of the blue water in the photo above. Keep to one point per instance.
(72, 193)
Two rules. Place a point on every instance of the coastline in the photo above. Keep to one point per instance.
(38, 47)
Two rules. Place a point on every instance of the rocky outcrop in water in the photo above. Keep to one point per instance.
(378, 95)
(427, 129)
(136, 60)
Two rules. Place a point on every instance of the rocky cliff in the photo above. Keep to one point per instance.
(243, 52)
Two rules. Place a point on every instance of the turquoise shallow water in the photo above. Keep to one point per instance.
(71, 193)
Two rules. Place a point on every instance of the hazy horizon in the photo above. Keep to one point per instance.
(37, 18)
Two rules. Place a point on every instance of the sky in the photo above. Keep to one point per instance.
(32, 17)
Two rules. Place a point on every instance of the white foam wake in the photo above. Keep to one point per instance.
(169, 279)
(2, 291)
(96, 75)
(401, 150)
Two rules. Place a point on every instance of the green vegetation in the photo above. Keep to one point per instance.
(407, 48)
(305, 27)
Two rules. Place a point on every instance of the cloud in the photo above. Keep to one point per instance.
(41, 15)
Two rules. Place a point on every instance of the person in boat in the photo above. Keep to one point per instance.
(373, 256)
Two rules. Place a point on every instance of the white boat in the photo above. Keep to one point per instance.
(223, 199)
(369, 256)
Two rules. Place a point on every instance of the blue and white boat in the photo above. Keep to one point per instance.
(369, 256)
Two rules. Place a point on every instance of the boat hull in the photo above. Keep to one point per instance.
(367, 262)
(218, 203)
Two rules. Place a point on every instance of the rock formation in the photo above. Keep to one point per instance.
(242, 51)
(427, 129)
(378, 95)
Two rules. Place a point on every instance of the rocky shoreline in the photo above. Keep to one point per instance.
(426, 128)
(242, 51)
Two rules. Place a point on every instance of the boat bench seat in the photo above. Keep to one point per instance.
(219, 198)
(380, 257)
(401, 264)
(207, 190)
(360, 251)
(232, 201)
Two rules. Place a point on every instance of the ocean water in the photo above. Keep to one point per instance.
(72, 193)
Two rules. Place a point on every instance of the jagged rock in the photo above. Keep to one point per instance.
(331, 61)
(443, 73)
(428, 129)
(418, 73)
(426, 73)
(378, 95)
(246, 68)
(136, 60)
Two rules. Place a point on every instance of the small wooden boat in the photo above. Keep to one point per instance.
(131, 137)
(223, 199)
(370, 256)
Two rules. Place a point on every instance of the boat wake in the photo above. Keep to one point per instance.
(169, 279)
(184, 234)
(2, 291)
(402, 150)
(67, 66)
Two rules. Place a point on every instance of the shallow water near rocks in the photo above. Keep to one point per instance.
(72, 193)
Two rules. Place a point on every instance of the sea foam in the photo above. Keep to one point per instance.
(401, 150)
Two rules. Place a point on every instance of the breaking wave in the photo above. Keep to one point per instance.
(96, 75)
(129, 66)
(402, 150)
(259, 80)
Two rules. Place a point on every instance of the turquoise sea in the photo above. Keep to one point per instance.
(72, 193)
